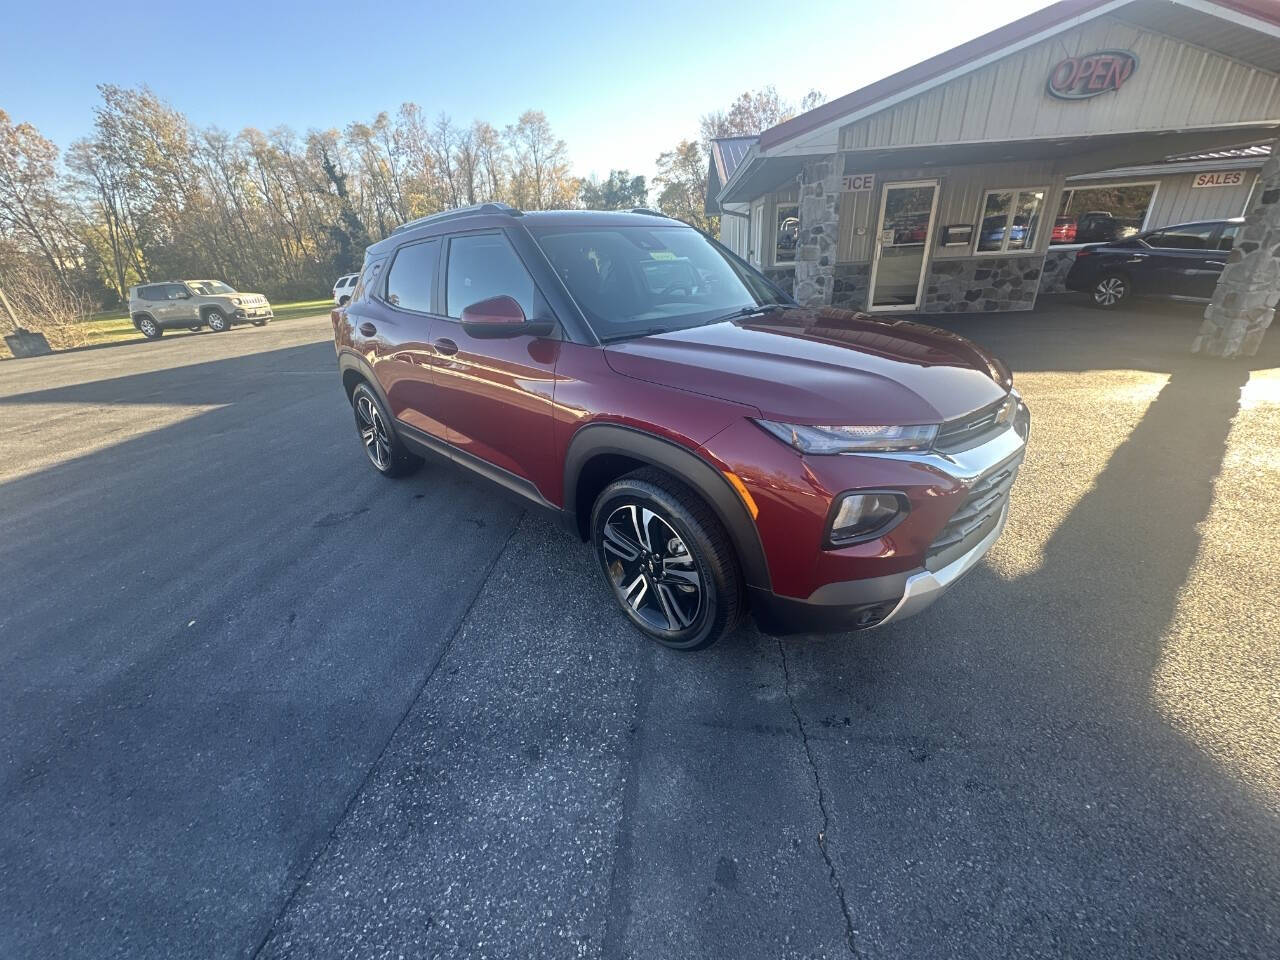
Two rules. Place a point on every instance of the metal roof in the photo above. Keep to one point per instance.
(727, 153)
(1254, 151)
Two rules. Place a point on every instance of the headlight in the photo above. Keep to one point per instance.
(862, 516)
(237, 301)
(809, 439)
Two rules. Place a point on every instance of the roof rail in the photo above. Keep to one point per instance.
(460, 212)
(651, 213)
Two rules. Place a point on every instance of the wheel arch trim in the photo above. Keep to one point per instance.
(686, 466)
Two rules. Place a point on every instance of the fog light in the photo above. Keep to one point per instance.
(862, 516)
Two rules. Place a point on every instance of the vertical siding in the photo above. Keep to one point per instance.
(1176, 201)
(1177, 86)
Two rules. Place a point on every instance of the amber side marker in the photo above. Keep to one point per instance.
(741, 487)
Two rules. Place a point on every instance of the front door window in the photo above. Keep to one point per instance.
(902, 244)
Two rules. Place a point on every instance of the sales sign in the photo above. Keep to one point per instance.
(858, 182)
(1227, 178)
(1079, 78)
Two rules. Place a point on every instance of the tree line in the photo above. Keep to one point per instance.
(149, 196)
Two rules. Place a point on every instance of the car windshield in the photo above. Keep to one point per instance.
(634, 280)
(208, 288)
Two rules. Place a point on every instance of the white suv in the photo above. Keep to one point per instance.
(342, 289)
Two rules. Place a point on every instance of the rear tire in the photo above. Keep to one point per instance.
(1109, 291)
(149, 328)
(385, 450)
(196, 328)
(217, 321)
(668, 560)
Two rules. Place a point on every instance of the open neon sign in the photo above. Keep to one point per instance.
(1079, 78)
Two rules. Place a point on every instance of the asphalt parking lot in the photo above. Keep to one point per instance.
(257, 701)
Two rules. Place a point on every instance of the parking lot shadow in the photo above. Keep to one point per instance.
(1001, 763)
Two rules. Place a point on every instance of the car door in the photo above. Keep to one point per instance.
(183, 309)
(155, 301)
(1176, 263)
(397, 323)
(495, 394)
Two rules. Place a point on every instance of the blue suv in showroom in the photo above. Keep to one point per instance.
(1180, 262)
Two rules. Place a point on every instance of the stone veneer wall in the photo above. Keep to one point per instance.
(850, 284)
(784, 277)
(982, 284)
(819, 229)
(1244, 302)
(1057, 264)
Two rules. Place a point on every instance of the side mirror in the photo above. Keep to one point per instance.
(501, 317)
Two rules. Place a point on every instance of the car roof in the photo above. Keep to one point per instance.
(1197, 223)
(490, 215)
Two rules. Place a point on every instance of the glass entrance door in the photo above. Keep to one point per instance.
(902, 244)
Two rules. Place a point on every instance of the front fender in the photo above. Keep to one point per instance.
(685, 465)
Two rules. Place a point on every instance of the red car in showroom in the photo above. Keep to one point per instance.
(724, 450)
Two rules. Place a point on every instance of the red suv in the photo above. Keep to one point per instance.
(723, 449)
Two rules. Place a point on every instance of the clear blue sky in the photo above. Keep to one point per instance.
(619, 82)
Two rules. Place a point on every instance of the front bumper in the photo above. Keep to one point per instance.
(262, 312)
(988, 472)
(863, 604)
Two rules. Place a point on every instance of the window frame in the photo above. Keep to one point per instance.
(1105, 185)
(442, 276)
(1004, 250)
(382, 294)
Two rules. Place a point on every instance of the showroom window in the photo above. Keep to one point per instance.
(1010, 220)
(786, 222)
(1101, 214)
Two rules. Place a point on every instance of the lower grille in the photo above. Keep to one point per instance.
(977, 516)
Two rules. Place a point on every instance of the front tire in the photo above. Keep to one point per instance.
(344, 300)
(149, 328)
(385, 450)
(1109, 291)
(217, 321)
(667, 559)
(260, 323)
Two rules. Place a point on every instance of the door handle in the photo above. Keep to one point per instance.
(446, 347)
(368, 329)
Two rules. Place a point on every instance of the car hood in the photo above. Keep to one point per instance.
(822, 366)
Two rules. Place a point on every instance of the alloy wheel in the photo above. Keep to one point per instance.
(651, 568)
(147, 326)
(377, 443)
(1110, 291)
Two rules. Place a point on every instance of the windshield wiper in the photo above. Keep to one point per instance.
(632, 334)
(746, 312)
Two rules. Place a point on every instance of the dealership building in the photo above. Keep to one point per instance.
(968, 181)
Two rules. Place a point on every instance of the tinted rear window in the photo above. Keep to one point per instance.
(412, 274)
(1190, 236)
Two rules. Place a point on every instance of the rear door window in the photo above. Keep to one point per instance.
(483, 266)
(412, 276)
(1189, 236)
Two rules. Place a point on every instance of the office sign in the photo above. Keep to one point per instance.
(1224, 178)
(1079, 78)
(858, 182)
